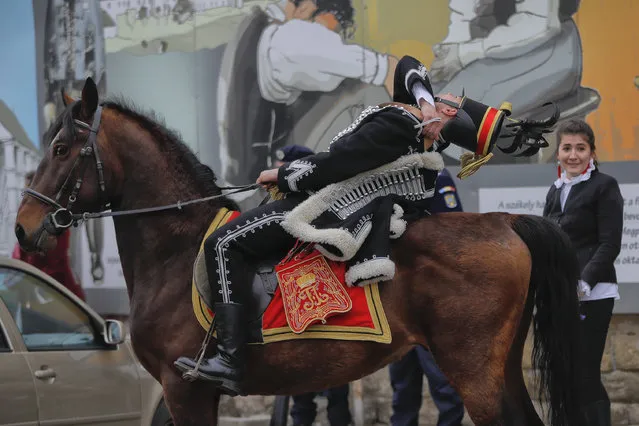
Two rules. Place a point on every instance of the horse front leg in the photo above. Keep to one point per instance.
(190, 403)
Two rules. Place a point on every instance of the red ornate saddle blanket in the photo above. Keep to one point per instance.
(308, 300)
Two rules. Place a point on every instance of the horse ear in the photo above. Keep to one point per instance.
(89, 98)
(66, 99)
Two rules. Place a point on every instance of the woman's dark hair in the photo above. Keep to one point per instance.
(578, 127)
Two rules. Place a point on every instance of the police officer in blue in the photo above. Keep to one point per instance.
(407, 374)
(446, 198)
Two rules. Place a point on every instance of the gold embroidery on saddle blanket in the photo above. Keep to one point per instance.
(310, 292)
(366, 321)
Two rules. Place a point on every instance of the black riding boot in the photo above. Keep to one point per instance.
(226, 368)
(596, 414)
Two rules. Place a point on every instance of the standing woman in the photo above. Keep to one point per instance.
(588, 206)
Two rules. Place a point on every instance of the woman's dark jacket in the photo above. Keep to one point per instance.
(593, 219)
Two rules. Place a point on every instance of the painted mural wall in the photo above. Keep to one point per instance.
(240, 78)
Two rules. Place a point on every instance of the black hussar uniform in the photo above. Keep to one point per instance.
(349, 202)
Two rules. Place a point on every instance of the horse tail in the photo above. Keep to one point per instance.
(553, 284)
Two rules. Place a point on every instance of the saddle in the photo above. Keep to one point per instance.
(263, 289)
(299, 294)
(311, 289)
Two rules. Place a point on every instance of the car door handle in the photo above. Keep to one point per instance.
(45, 373)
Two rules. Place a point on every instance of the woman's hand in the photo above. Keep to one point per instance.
(267, 178)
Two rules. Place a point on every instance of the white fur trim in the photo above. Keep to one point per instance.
(374, 270)
(297, 222)
(397, 224)
(347, 243)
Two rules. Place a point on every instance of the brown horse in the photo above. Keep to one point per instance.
(466, 284)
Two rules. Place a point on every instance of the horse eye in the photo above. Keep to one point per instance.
(60, 150)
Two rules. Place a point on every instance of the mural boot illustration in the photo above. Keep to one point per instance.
(528, 52)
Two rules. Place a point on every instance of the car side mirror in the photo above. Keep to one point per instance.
(113, 332)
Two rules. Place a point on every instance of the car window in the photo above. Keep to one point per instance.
(46, 318)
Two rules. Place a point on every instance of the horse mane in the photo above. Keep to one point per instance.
(170, 141)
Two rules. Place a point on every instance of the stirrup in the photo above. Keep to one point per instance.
(192, 374)
(189, 374)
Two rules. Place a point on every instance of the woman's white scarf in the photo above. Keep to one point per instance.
(563, 179)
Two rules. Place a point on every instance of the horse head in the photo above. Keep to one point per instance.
(107, 155)
(72, 174)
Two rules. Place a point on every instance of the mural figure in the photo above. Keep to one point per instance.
(145, 27)
(74, 50)
(526, 51)
(290, 77)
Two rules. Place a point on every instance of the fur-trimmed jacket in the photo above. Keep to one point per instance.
(375, 176)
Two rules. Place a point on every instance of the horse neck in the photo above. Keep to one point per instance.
(157, 250)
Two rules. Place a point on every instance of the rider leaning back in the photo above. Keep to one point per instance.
(348, 202)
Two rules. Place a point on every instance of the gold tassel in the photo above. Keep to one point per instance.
(471, 162)
(275, 193)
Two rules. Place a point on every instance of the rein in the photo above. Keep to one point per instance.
(74, 218)
(63, 217)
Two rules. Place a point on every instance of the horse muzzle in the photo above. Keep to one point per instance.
(42, 236)
(39, 240)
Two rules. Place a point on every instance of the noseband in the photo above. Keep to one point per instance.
(62, 217)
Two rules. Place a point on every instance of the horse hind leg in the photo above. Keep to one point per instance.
(473, 351)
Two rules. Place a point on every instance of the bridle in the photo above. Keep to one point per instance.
(63, 217)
